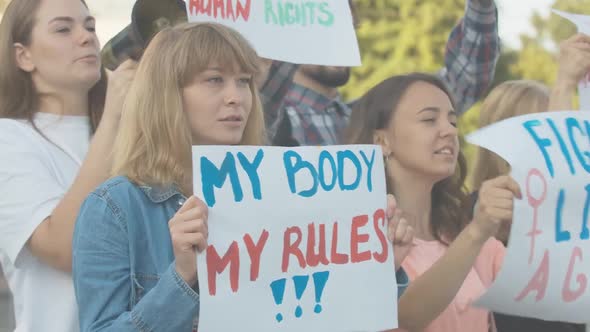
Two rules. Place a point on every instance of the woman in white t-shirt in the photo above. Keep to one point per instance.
(53, 151)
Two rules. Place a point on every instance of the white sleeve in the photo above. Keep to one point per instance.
(29, 190)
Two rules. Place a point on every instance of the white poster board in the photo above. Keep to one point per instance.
(547, 264)
(297, 239)
(319, 32)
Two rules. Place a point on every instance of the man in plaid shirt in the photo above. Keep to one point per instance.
(303, 107)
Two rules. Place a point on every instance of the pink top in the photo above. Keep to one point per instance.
(459, 316)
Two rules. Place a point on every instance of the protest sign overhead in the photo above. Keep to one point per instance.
(297, 31)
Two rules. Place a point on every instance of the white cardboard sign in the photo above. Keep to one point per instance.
(297, 239)
(319, 32)
(547, 264)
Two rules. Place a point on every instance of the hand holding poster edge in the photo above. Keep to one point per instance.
(553, 143)
(582, 23)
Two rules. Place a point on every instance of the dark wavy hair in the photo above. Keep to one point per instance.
(450, 202)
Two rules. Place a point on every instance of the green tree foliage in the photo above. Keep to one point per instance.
(401, 36)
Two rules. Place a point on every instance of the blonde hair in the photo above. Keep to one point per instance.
(509, 99)
(154, 141)
(19, 99)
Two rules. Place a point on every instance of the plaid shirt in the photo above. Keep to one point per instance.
(296, 115)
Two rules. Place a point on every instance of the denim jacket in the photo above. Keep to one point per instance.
(123, 264)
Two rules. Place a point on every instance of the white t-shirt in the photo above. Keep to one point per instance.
(34, 176)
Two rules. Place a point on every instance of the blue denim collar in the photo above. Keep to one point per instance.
(159, 194)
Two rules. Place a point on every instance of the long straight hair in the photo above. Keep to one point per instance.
(19, 99)
(374, 111)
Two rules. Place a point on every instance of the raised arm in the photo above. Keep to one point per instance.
(574, 65)
(429, 294)
(472, 53)
(51, 241)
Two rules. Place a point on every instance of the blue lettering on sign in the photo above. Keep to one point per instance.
(562, 146)
(330, 171)
(342, 156)
(213, 177)
(585, 233)
(369, 163)
(572, 123)
(326, 156)
(574, 130)
(560, 235)
(292, 168)
(542, 143)
(251, 169)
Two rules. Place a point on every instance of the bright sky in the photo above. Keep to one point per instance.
(514, 17)
(113, 15)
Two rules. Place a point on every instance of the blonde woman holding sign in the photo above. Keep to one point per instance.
(138, 234)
